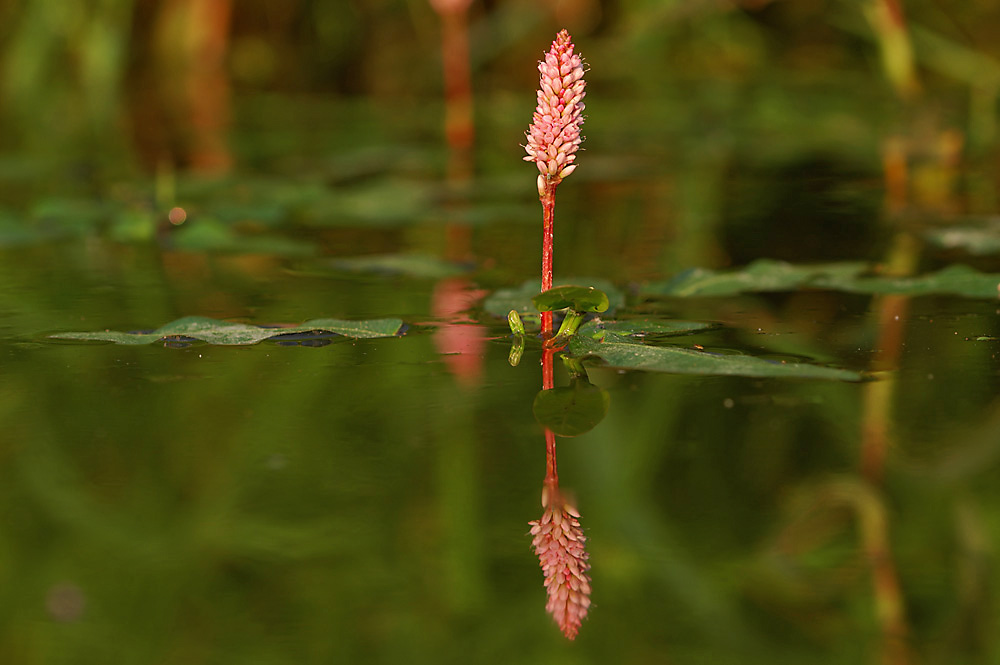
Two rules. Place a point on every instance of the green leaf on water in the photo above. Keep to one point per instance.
(408, 265)
(620, 352)
(571, 410)
(218, 332)
(767, 275)
(210, 234)
(576, 298)
(500, 302)
(761, 275)
(955, 280)
(76, 215)
(17, 231)
(980, 239)
(640, 328)
(387, 201)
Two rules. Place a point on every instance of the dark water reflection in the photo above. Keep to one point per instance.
(366, 500)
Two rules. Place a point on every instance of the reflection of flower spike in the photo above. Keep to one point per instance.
(554, 134)
(559, 543)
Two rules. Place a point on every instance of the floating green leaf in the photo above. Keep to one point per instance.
(979, 239)
(77, 215)
(761, 275)
(572, 410)
(218, 332)
(956, 280)
(618, 352)
(768, 275)
(644, 327)
(577, 298)
(16, 231)
(210, 234)
(503, 300)
(388, 201)
(409, 265)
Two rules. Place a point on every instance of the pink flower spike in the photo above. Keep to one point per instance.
(566, 171)
(559, 543)
(554, 134)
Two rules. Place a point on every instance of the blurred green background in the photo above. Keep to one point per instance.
(368, 501)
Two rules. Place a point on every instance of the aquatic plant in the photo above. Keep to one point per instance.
(554, 137)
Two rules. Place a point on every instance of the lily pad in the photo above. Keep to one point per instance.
(577, 298)
(619, 352)
(227, 333)
(767, 275)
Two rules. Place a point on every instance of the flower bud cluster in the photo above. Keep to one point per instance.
(554, 134)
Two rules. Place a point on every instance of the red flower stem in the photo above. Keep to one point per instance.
(548, 199)
(548, 382)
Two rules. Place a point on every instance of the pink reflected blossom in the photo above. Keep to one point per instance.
(559, 543)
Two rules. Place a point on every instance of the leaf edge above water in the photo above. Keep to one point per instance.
(617, 354)
(227, 333)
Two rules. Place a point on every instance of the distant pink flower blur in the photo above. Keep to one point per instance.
(554, 134)
(559, 543)
(446, 6)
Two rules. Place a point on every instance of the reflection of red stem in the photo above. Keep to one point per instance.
(551, 475)
(548, 199)
(548, 382)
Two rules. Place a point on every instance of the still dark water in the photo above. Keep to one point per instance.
(369, 500)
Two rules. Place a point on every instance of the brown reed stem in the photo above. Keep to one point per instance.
(458, 124)
(890, 608)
